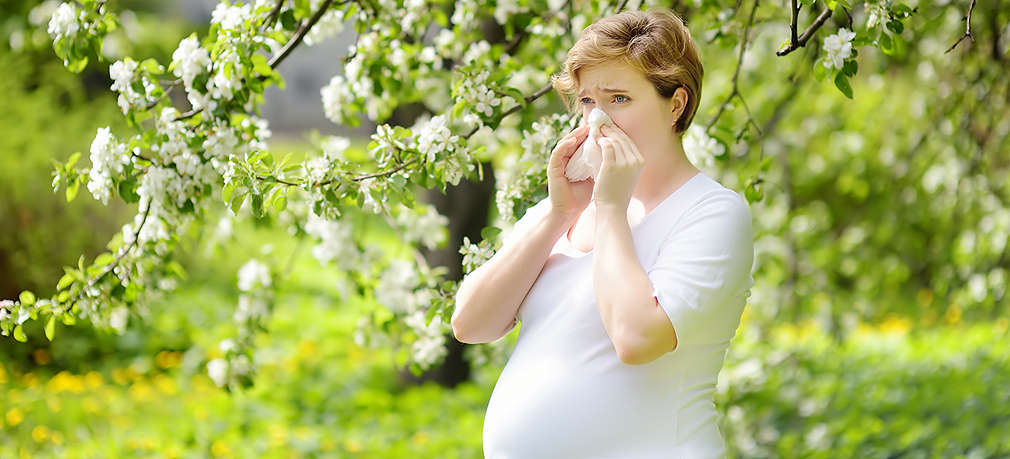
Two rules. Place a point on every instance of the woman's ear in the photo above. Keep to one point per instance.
(678, 103)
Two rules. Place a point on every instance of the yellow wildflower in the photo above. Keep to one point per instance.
(14, 417)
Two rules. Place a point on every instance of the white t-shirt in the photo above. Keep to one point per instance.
(564, 393)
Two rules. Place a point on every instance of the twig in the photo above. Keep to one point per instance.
(967, 28)
(735, 91)
(288, 48)
(801, 41)
(272, 18)
(526, 101)
(300, 34)
(115, 262)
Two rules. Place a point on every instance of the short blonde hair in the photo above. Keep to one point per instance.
(656, 43)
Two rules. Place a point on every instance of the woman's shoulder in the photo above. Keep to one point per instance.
(713, 197)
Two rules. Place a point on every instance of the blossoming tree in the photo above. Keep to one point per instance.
(480, 97)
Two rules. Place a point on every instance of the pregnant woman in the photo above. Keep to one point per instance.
(629, 284)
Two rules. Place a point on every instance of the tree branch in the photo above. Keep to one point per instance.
(967, 28)
(300, 34)
(272, 18)
(735, 91)
(115, 262)
(526, 101)
(796, 43)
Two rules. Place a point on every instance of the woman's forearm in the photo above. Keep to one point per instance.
(623, 289)
(488, 298)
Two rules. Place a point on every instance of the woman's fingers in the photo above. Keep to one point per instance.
(626, 151)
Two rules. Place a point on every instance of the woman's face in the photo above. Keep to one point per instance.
(630, 100)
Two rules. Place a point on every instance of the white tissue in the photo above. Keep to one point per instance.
(586, 162)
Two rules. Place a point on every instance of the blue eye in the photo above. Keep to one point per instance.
(586, 100)
(621, 99)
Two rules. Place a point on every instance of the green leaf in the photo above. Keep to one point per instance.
(886, 45)
(237, 200)
(753, 192)
(820, 71)
(280, 203)
(104, 259)
(73, 159)
(76, 65)
(895, 26)
(489, 232)
(257, 205)
(850, 67)
(27, 298)
(261, 66)
(128, 190)
(902, 10)
(72, 186)
(19, 334)
(832, 4)
(288, 19)
(152, 66)
(228, 190)
(51, 327)
(65, 281)
(842, 82)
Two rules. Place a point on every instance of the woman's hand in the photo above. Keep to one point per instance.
(621, 168)
(568, 198)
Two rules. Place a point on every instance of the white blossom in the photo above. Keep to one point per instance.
(435, 137)
(430, 343)
(504, 9)
(231, 17)
(253, 274)
(334, 147)
(224, 83)
(190, 60)
(474, 255)
(838, 48)
(475, 91)
(64, 21)
(5, 307)
(117, 319)
(316, 169)
(217, 369)
(536, 139)
(335, 242)
(876, 12)
(227, 345)
(221, 142)
(396, 286)
(122, 74)
(260, 133)
(428, 228)
(332, 23)
(249, 308)
(701, 149)
(336, 94)
(107, 158)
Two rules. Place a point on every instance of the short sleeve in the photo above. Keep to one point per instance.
(703, 270)
(532, 215)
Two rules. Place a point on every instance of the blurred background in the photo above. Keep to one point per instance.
(877, 327)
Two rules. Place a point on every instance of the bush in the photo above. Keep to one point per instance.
(886, 392)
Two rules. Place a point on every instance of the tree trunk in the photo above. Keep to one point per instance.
(467, 206)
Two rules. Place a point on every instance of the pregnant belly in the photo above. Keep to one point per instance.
(544, 406)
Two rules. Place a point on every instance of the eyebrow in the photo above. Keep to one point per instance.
(607, 90)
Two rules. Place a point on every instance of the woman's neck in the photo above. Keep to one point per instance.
(667, 168)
